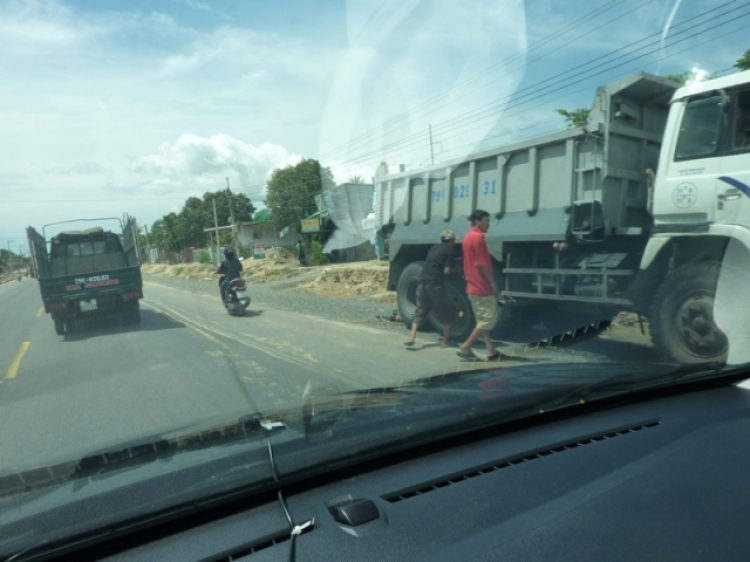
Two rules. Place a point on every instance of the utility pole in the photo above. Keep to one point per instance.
(216, 229)
(235, 236)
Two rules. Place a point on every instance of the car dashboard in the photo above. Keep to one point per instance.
(661, 477)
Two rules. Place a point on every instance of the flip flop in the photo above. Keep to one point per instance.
(408, 343)
(467, 356)
(494, 357)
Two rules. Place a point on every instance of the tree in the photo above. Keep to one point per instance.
(356, 179)
(681, 78)
(166, 235)
(198, 214)
(575, 118)
(175, 232)
(291, 191)
(685, 77)
(743, 63)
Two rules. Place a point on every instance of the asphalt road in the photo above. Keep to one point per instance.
(64, 397)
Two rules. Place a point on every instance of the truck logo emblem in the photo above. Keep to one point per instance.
(685, 195)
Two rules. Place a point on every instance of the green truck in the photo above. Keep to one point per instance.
(84, 273)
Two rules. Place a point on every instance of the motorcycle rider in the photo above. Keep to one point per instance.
(231, 268)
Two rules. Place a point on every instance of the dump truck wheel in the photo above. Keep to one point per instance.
(682, 316)
(406, 292)
(464, 323)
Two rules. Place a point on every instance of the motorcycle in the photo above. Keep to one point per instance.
(236, 299)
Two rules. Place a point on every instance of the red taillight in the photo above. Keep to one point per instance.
(238, 284)
(58, 306)
(131, 296)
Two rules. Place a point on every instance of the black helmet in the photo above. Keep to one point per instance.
(228, 251)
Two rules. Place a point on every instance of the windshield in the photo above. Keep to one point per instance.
(330, 216)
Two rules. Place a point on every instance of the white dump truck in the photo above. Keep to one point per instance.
(636, 211)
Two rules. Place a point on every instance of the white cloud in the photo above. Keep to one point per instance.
(81, 168)
(36, 22)
(206, 161)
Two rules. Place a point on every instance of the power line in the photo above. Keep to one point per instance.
(466, 84)
(479, 113)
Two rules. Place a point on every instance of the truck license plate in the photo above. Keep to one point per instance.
(87, 306)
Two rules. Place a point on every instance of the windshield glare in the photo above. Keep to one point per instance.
(233, 228)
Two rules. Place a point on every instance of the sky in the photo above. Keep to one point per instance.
(133, 106)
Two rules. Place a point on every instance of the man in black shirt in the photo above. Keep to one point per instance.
(431, 293)
(230, 268)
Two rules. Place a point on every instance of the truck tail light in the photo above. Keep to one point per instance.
(131, 296)
(58, 306)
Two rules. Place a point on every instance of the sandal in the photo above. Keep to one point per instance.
(494, 357)
(467, 356)
(408, 343)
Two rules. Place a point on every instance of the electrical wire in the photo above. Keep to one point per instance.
(535, 88)
(404, 144)
(493, 68)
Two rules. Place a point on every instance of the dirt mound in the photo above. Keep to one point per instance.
(335, 280)
(191, 270)
(343, 280)
(285, 256)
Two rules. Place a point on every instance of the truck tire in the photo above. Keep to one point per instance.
(464, 323)
(406, 291)
(682, 316)
(131, 313)
(59, 326)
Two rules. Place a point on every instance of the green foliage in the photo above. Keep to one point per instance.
(684, 77)
(175, 232)
(203, 258)
(743, 63)
(356, 179)
(575, 118)
(291, 191)
(681, 78)
(318, 255)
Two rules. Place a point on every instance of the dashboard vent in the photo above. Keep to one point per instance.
(244, 551)
(507, 462)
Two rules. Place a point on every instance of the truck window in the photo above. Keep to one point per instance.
(741, 129)
(700, 129)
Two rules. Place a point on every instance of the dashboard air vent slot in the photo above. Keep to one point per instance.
(538, 453)
(241, 553)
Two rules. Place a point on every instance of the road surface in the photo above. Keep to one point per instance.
(65, 397)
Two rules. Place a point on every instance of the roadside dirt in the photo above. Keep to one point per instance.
(368, 278)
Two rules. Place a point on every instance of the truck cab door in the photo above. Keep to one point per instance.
(686, 194)
(733, 191)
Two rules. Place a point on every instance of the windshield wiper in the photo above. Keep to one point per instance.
(136, 454)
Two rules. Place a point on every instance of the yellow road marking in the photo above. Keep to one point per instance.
(40, 311)
(11, 374)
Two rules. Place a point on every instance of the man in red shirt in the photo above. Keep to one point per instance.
(480, 286)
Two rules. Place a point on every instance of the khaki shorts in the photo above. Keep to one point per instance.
(485, 311)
